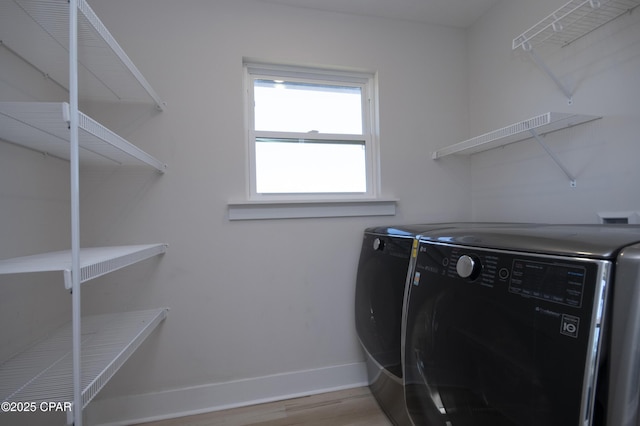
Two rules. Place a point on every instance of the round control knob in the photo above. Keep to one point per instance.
(378, 244)
(467, 266)
(503, 273)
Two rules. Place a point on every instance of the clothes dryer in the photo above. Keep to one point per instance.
(380, 283)
(524, 326)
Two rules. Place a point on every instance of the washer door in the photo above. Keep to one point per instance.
(382, 272)
(480, 352)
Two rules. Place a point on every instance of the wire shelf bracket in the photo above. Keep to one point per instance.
(554, 157)
(540, 63)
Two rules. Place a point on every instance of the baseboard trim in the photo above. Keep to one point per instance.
(131, 409)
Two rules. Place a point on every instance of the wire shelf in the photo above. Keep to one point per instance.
(106, 72)
(572, 21)
(44, 127)
(94, 261)
(542, 124)
(43, 373)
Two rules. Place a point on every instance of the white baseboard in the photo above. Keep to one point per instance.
(129, 409)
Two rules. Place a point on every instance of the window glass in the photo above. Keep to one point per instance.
(310, 133)
(305, 107)
(298, 166)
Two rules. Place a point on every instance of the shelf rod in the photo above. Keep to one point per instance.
(553, 155)
(550, 73)
(75, 213)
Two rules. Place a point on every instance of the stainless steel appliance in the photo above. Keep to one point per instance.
(524, 326)
(381, 276)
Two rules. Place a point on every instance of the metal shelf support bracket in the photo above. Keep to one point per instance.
(567, 93)
(536, 136)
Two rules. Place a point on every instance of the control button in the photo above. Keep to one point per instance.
(378, 244)
(503, 273)
(467, 267)
(445, 262)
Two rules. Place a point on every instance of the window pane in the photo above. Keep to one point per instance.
(288, 166)
(285, 106)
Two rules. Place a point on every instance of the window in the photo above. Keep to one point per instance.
(310, 133)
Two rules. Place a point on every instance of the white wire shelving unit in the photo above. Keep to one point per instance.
(567, 24)
(69, 45)
(534, 127)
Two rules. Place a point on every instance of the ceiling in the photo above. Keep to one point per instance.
(456, 13)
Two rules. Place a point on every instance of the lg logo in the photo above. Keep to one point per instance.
(569, 325)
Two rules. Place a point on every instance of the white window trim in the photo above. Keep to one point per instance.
(276, 206)
(253, 210)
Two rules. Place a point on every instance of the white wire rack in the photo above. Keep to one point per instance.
(44, 127)
(532, 128)
(39, 30)
(94, 261)
(66, 41)
(43, 372)
(541, 124)
(572, 21)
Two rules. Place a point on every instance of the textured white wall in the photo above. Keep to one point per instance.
(520, 182)
(255, 298)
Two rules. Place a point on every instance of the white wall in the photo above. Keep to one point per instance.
(520, 182)
(254, 298)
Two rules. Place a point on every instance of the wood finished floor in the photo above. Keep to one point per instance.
(351, 407)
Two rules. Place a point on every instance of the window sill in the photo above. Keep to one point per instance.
(254, 210)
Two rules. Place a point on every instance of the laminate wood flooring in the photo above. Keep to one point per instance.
(351, 407)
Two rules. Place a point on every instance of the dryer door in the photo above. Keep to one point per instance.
(382, 273)
(509, 345)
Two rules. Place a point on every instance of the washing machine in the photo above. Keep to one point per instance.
(380, 286)
(523, 326)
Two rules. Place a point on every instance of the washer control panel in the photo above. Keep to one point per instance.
(556, 280)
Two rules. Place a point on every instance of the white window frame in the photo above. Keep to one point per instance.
(313, 205)
(366, 81)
